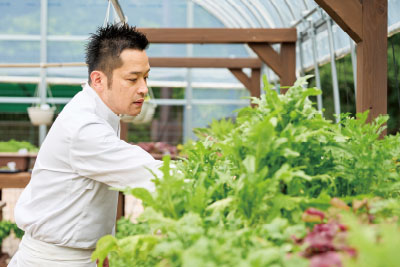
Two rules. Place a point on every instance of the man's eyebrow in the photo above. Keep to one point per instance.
(139, 72)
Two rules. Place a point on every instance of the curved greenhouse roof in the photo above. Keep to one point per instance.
(70, 22)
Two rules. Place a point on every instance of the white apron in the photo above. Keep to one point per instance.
(35, 253)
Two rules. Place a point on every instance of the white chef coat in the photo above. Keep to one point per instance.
(68, 201)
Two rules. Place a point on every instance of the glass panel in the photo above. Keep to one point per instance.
(73, 51)
(213, 75)
(75, 17)
(20, 17)
(202, 115)
(154, 13)
(203, 19)
(214, 93)
(69, 72)
(64, 52)
(394, 12)
(275, 15)
(19, 51)
(341, 40)
(243, 11)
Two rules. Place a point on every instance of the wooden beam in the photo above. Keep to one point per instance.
(218, 35)
(193, 62)
(268, 55)
(242, 77)
(288, 63)
(372, 59)
(347, 14)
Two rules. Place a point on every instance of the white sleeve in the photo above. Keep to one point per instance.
(97, 153)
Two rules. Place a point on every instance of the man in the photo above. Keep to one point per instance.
(68, 205)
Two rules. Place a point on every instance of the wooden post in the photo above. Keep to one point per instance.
(255, 82)
(124, 131)
(121, 205)
(121, 197)
(372, 59)
(366, 23)
(288, 63)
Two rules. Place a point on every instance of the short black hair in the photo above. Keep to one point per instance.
(106, 45)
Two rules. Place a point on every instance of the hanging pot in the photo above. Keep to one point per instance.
(41, 115)
(145, 115)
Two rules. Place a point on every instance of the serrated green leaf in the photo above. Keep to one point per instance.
(144, 195)
(104, 246)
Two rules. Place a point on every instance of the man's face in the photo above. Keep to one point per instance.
(129, 83)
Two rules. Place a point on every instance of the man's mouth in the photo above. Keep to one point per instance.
(139, 102)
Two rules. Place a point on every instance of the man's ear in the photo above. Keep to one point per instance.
(98, 80)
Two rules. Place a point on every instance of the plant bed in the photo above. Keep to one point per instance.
(21, 152)
(280, 186)
(22, 162)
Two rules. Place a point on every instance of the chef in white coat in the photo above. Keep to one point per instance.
(68, 205)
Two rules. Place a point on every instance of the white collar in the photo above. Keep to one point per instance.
(102, 110)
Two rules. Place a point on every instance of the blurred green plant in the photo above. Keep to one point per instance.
(13, 146)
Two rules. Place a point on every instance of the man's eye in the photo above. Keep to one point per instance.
(133, 80)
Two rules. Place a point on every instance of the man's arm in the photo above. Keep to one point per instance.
(97, 153)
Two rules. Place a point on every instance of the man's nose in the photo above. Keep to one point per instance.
(143, 89)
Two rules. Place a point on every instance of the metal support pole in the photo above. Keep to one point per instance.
(336, 98)
(43, 60)
(187, 115)
(301, 56)
(264, 71)
(316, 67)
(354, 64)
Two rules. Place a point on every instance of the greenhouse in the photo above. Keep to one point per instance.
(199, 133)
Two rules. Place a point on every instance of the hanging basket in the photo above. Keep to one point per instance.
(146, 114)
(41, 115)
